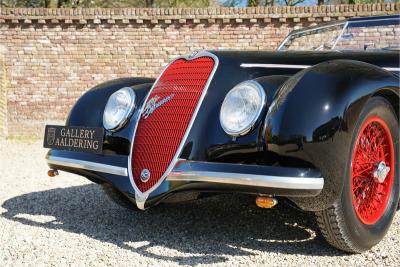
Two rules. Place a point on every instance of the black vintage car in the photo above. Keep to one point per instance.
(316, 122)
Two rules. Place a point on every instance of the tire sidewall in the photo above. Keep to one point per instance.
(362, 235)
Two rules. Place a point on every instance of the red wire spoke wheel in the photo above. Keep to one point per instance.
(373, 156)
(362, 215)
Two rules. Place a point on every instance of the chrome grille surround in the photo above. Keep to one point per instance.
(141, 197)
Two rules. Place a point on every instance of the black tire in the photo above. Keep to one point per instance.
(118, 198)
(340, 224)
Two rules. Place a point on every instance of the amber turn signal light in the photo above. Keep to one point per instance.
(52, 173)
(266, 202)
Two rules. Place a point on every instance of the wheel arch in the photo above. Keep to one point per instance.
(314, 116)
(392, 95)
(88, 109)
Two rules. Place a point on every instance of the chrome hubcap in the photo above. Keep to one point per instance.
(381, 172)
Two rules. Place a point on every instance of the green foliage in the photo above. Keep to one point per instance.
(253, 2)
(371, 1)
(173, 3)
(338, 2)
(292, 2)
(105, 3)
(231, 3)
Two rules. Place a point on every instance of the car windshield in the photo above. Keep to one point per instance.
(374, 34)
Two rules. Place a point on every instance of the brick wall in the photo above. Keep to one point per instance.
(3, 93)
(54, 55)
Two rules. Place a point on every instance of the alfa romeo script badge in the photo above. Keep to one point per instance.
(152, 104)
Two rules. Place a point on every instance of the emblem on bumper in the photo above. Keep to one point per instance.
(193, 54)
(145, 175)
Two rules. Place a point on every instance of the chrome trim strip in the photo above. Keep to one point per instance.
(304, 183)
(87, 165)
(340, 36)
(391, 69)
(278, 66)
(292, 66)
(141, 197)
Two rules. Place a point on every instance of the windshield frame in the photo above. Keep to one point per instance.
(315, 28)
(360, 22)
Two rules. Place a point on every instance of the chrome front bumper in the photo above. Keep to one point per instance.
(246, 175)
(216, 173)
(86, 165)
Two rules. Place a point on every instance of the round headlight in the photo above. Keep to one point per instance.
(119, 107)
(241, 108)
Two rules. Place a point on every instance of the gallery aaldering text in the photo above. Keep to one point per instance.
(77, 138)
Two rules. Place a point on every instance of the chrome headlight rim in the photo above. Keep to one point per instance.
(255, 119)
(128, 113)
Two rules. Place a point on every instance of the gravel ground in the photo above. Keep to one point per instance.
(69, 221)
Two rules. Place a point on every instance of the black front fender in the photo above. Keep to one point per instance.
(88, 111)
(313, 116)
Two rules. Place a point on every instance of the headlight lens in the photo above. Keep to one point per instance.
(241, 108)
(120, 106)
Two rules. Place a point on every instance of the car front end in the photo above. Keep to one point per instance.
(181, 136)
(294, 124)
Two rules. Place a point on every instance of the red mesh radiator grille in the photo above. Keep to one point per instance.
(175, 96)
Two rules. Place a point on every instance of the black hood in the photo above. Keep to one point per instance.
(382, 58)
(208, 142)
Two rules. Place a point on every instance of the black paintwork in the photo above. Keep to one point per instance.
(88, 111)
(207, 133)
(374, 18)
(298, 131)
(319, 129)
